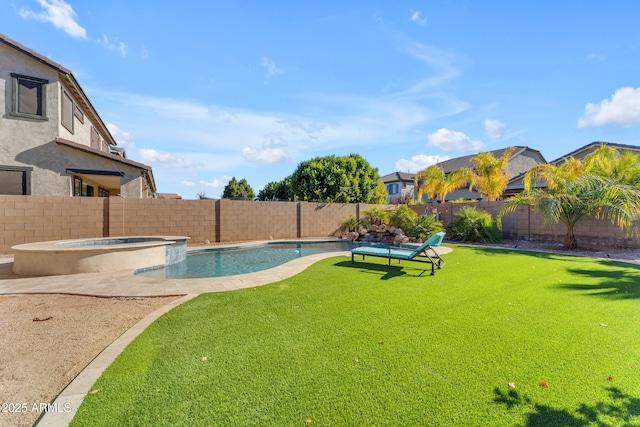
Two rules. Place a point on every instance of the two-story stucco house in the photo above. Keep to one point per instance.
(398, 185)
(52, 140)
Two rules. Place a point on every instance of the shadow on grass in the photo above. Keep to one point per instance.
(536, 254)
(622, 282)
(386, 273)
(619, 283)
(622, 410)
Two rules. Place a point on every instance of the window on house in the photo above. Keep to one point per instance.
(392, 188)
(67, 111)
(77, 187)
(95, 139)
(102, 192)
(82, 189)
(14, 181)
(78, 113)
(29, 94)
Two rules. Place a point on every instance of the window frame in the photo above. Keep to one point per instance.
(66, 95)
(26, 177)
(86, 190)
(78, 113)
(15, 102)
(95, 140)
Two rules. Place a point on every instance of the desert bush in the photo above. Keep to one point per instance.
(425, 226)
(403, 217)
(472, 225)
(350, 223)
(375, 216)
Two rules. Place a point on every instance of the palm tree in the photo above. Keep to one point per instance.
(604, 186)
(490, 174)
(433, 182)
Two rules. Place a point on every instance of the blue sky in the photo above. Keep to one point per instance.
(203, 91)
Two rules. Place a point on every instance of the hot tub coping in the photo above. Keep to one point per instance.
(69, 245)
(93, 255)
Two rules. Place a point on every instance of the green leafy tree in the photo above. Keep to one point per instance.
(276, 190)
(346, 179)
(379, 195)
(490, 174)
(436, 184)
(238, 190)
(605, 186)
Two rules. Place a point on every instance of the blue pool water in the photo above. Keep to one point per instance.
(220, 262)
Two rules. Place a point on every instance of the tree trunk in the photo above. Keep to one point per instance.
(570, 241)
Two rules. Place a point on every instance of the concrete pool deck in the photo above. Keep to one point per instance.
(125, 284)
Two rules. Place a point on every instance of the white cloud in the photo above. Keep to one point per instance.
(217, 182)
(419, 162)
(622, 110)
(169, 160)
(493, 128)
(187, 183)
(273, 140)
(60, 14)
(264, 155)
(123, 138)
(453, 141)
(115, 45)
(271, 67)
(442, 64)
(416, 16)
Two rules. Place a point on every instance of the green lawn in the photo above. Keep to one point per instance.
(350, 345)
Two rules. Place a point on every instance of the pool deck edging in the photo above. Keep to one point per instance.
(74, 393)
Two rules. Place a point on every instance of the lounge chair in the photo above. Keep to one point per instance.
(418, 254)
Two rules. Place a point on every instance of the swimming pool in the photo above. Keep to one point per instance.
(219, 262)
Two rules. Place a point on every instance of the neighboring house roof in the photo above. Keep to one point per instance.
(583, 151)
(398, 177)
(119, 159)
(170, 196)
(457, 163)
(70, 81)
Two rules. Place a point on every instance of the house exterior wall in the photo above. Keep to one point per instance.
(20, 134)
(30, 142)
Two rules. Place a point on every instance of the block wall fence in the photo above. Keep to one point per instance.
(26, 219)
(527, 224)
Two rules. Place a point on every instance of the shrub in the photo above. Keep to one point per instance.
(375, 216)
(403, 217)
(425, 227)
(350, 223)
(471, 225)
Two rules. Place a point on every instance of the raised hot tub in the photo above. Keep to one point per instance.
(97, 255)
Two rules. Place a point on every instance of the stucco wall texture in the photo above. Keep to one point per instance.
(26, 219)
